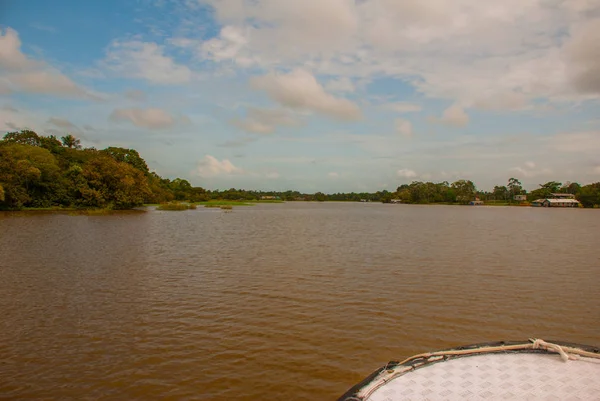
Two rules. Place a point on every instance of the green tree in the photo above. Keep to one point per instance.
(589, 195)
(465, 190)
(71, 142)
(24, 137)
(29, 174)
(108, 183)
(51, 143)
(545, 190)
(1, 193)
(570, 188)
(552, 186)
(320, 197)
(514, 187)
(130, 156)
(500, 193)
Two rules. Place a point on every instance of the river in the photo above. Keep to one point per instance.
(292, 301)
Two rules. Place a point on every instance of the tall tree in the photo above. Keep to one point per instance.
(71, 142)
(500, 193)
(465, 190)
(514, 187)
(570, 188)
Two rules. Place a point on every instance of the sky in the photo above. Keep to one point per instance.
(314, 95)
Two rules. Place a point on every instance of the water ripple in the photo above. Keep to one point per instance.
(295, 301)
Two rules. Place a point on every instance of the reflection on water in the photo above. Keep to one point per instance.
(294, 301)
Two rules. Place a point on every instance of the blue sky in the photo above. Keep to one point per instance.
(341, 95)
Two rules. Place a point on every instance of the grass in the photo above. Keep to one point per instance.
(175, 206)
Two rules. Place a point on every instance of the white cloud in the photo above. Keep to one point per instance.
(404, 127)
(226, 46)
(11, 57)
(299, 89)
(210, 166)
(265, 121)
(151, 118)
(283, 30)
(342, 84)
(24, 74)
(454, 116)
(145, 60)
(403, 107)
(596, 170)
(47, 82)
(529, 170)
(406, 173)
(499, 56)
(333, 174)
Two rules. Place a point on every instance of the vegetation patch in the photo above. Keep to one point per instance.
(175, 206)
(47, 173)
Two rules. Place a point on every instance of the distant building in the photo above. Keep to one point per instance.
(520, 198)
(552, 202)
(396, 201)
(269, 197)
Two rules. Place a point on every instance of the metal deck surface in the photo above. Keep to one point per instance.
(498, 376)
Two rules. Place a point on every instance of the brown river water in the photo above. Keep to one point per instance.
(295, 301)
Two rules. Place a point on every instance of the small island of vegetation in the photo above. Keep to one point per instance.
(48, 173)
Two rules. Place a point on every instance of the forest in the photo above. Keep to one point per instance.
(39, 171)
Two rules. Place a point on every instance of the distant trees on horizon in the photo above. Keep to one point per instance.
(44, 171)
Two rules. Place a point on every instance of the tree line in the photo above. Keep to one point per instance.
(39, 171)
(45, 171)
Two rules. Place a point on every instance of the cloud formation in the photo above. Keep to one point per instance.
(501, 56)
(406, 173)
(454, 116)
(20, 73)
(210, 166)
(265, 121)
(530, 170)
(300, 90)
(146, 61)
(152, 118)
